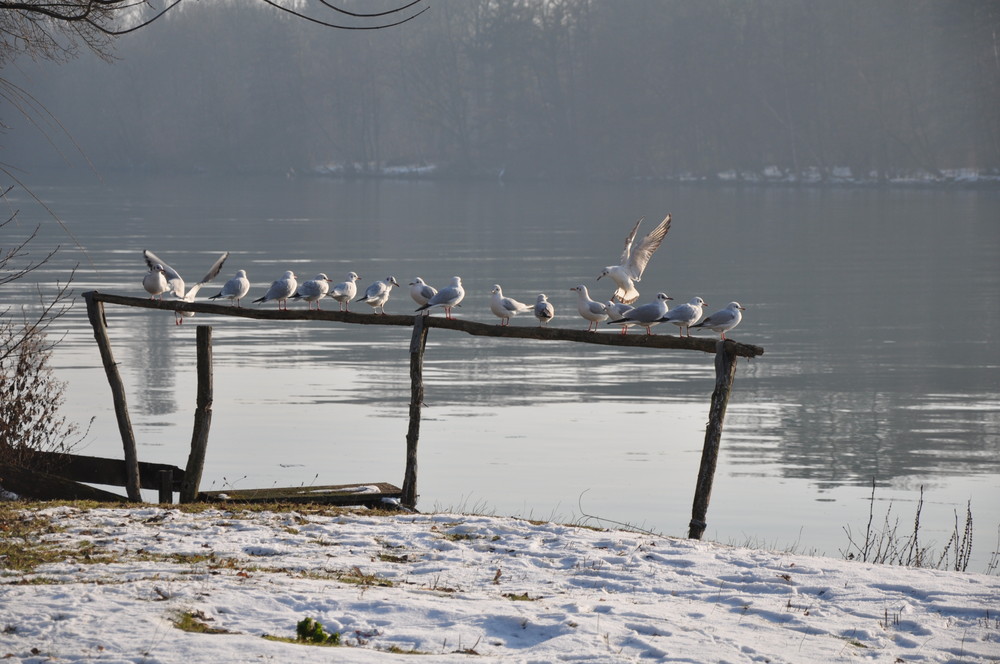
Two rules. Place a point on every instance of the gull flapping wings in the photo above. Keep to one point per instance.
(634, 260)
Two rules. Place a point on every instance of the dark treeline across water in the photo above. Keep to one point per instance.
(539, 89)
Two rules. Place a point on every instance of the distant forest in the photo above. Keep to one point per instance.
(597, 89)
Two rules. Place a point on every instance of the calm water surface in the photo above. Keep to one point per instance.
(876, 308)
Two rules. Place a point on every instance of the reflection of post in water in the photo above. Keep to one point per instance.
(725, 372)
(156, 374)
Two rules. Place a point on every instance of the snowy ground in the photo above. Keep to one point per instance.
(465, 589)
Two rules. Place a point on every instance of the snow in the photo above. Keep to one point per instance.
(464, 588)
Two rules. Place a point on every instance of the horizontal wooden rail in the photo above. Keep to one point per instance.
(611, 338)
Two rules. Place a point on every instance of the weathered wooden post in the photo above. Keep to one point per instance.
(165, 487)
(95, 313)
(417, 344)
(202, 417)
(725, 372)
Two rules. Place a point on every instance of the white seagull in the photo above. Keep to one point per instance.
(235, 289)
(685, 315)
(421, 292)
(280, 290)
(448, 297)
(646, 315)
(313, 290)
(378, 293)
(724, 320)
(161, 278)
(592, 310)
(505, 307)
(544, 311)
(616, 311)
(345, 291)
(634, 260)
(175, 286)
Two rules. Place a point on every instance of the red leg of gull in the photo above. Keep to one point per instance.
(649, 331)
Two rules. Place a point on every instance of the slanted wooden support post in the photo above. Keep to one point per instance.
(95, 313)
(725, 372)
(417, 344)
(202, 417)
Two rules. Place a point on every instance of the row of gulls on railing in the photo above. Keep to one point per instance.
(619, 310)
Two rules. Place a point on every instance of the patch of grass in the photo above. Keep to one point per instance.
(197, 622)
(522, 597)
(393, 558)
(355, 575)
(310, 632)
(21, 546)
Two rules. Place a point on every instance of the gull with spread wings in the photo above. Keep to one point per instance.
(175, 286)
(634, 260)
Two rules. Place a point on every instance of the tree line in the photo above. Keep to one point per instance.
(550, 88)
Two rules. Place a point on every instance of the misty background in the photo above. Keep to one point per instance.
(532, 89)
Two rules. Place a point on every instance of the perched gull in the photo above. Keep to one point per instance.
(646, 315)
(235, 289)
(593, 311)
(544, 311)
(280, 290)
(685, 315)
(161, 278)
(724, 320)
(505, 307)
(634, 260)
(616, 313)
(313, 290)
(345, 291)
(378, 293)
(175, 286)
(448, 297)
(421, 292)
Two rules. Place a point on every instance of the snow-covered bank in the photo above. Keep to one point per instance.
(465, 588)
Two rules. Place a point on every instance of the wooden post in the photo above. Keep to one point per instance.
(166, 487)
(202, 417)
(417, 344)
(725, 372)
(95, 313)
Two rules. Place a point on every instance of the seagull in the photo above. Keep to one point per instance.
(724, 320)
(448, 297)
(189, 296)
(313, 290)
(685, 315)
(235, 289)
(616, 311)
(633, 261)
(646, 315)
(505, 307)
(593, 311)
(544, 311)
(175, 286)
(421, 292)
(345, 291)
(378, 293)
(161, 278)
(280, 290)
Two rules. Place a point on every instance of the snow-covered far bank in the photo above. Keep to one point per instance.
(457, 588)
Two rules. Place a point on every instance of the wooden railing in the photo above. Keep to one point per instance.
(725, 352)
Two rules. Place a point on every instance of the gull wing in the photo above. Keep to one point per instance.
(623, 261)
(213, 271)
(636, 262)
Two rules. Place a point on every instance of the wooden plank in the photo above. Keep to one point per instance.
(725, 372)
(202, 417)
(40, 485)
(340, 494)
(95, 313)
(548, 333)
(97, 470)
